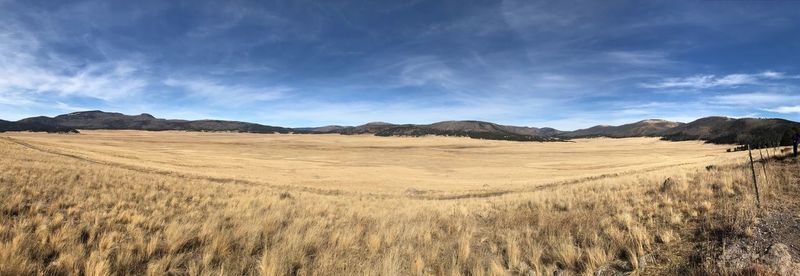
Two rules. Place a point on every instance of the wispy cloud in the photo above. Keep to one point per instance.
(31, 70)
(755, 99)
(228, 94)
(639, 58)
(710, 81)
(223, 17)
(11, 98)
(785, 109)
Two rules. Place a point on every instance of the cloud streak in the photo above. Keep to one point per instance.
(785, 109)
(30, 70)
(712, 81)
(756, 99)
(220, 93)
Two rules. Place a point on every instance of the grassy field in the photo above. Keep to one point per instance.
(127, 202)
(378, 165)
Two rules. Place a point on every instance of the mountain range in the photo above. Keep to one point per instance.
(721, 130)
(109, 120)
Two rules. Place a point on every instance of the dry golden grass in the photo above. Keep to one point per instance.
(370, 164)
(206, 204)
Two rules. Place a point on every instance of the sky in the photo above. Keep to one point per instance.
(562, 64)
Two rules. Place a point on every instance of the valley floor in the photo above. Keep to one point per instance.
(205, 204)
(366, 164)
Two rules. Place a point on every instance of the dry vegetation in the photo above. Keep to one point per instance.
(366, 164)
(144, 203)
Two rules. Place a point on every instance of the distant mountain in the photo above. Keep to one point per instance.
(717, 130)
(368, 128)
(473, 129)
(322, 129)
(720, 130)
(478, 126)
(723, 130)
(110, 120)
(646, 128)
(23, 126)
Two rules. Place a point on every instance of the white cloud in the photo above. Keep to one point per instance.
(775, 75)
(427, 70)
(29, 70)
(228, 94)
(735, 79)
(785, 109)
(34, 74)
(224, 17)
(15, 99)
(482, 83)
(757, 98)
(637, 58)
(710, 81)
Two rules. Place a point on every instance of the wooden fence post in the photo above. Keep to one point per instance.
(764, 167)
(755, 180)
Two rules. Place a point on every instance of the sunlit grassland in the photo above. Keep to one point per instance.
(190, 203)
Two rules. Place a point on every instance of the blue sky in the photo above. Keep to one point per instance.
(562, 64)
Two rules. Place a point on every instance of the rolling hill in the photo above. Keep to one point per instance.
(646, 128)
(473, 129)
(109, 120)
(719, 130)
(368, 128)
(723, 130)
(33, 126)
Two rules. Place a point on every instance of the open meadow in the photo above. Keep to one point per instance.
(367, 164)
(133, 202)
